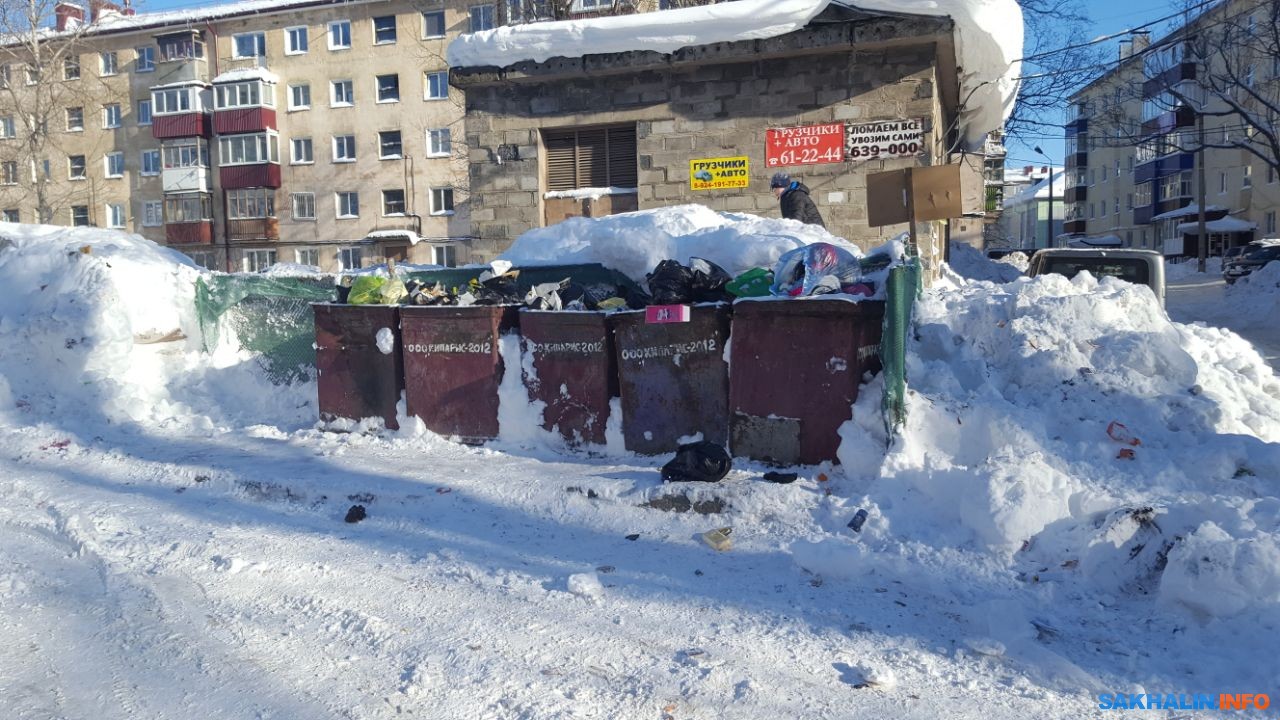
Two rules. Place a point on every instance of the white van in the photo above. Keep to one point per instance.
(1142, 267)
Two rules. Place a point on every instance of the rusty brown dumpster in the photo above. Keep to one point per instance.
(796, 366)
(453, 366)
(673, 379)
(576, 371)
(357, 379)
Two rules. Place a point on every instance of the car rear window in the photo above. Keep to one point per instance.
(1131, 270)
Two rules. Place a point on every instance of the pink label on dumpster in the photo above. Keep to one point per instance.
(656, 314)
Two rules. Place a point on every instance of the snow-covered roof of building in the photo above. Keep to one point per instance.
(1040, 191)
(409, 235)
(1226, 224)
(988, 34)
(1089, 242)
(246, 74)
(1192, 209)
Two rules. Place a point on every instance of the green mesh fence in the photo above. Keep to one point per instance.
(901, 292)
(269, 316)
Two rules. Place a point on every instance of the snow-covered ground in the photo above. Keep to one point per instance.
(185, 554)
(1248, 308)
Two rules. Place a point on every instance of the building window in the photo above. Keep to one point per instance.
(249, 45)
(384, 30)
(152, 213)
(593, 5)
(438, 144)
(433, 24)
(258, 260)
(111, 116)
(1222, 183)
(9, 172)
(79, 215)
(1271, 174)
(600, 157)
(340, 35)
(351, 258)
(253, 93)
(393, 203)
(296, 41)
(344, 148)
(1269, 222)
(251, 204)
(445, 255)
(388, 88)
(348, 204)
(115, 164)
(299, 97)
(304, 208)
(5, 76)
(1103, 212)
(71, 68)
(437, 85)
(77, 167)
(1130, 201)
(482, 18)
(115, 215)
(11, 215)
(254, 149)
(202, 258)
(307, 256)
(301, 152)
(144, 112)
(343, 94)
(107, 64)
(169, 102)
(8, 130)
(150, 162)
(1247, 180)
(189, 154)
(188, 208)
(180, 46)
(441, 201)
(33, 75)
(145, 61)
(389, 145)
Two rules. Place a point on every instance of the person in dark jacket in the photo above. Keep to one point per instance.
(794, 198)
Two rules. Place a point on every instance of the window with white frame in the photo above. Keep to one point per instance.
(344, 148)
(433, 24)
(300, 97)
(1246, 181)
(111, 116)
(186, 154)
(1269, 222)
(202, 258)
(438, 143)
(258, 260)
(171, 101)
(384, 30)
(255, 149)
(592, 5)
(393, 203)
(152, 213)
(252, 93)
(107, 64)
(301, 151)
(71, 67)
(351, 258)
(114, 162)
(482, 17)
(75, 119)
(9, 172)
(77, 167)
(188, 208)
(11, 215)
(144, 112)
(445, 255)
(8, 130)
(388, 88)
(436, 85)
(33, 75)
(348, 204)
(441, 201)
(145, 61)
(115, 215)
(296, 41)
(307, 256)
(304, 207)
(249, 45)
(79, 215)
(390, 146)
(150, 162)
(342, 93)
(251, 204)
(340, 35)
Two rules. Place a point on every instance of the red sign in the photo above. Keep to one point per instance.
(805, 145)
(658, 314)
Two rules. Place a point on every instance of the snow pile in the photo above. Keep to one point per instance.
(1189, 269)
(245, 75)
(969, 262)
(634, 243)
(989, 37)
(98, 327)
(1256, 296)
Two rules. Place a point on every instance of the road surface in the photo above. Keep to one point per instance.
(1201, 298)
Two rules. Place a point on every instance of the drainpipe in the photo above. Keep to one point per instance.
(212, 54)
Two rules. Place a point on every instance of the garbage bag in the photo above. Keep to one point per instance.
(365, 290)
(752, 283)
(545, 296)
(697, 462)
(801, 271)
(709, 280)
(392, 292)
(671, 283)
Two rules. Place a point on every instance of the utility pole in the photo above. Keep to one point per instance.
(1048, 240)
(1203, 250)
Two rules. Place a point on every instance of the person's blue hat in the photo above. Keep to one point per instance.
(780, 180)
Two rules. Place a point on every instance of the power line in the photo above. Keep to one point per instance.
(1113, 36)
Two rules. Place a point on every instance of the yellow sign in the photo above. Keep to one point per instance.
(719, 173)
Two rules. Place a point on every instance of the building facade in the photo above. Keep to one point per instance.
(1033, 209)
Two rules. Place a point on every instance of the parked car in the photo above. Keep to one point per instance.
(1141, 267)
(1252, 257)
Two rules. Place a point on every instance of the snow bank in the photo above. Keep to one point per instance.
(1256, 297)
(1189, 269)
(969, 262)
(98, 327)
(634, 243)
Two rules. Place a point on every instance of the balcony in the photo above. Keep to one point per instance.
(1077, 159)
(235, 177)
(1169, 78)
(1169, 121)
(253, 229)
(184, 125)
(192, 233)
(1161, 167)
(1074, 227)
(1142, 215)
(244, 120)
(1077, 194)
(1079, 125)
(185, 179)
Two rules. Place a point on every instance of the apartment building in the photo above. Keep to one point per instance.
(1133, 138)
(320, 132)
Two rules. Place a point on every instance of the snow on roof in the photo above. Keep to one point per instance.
(409, 235)
(589, 193)
(1226, 224)
(243, 74)
(1192, 209)
(1040, 191)
(1089, 242)
(988, 41)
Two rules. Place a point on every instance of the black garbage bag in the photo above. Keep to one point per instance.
(697, 462)
(637, 299)
(671, 283)
(709, 280)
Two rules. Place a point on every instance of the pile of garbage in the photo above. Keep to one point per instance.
(817, 269)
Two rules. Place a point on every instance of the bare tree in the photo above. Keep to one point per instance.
(1060, 62)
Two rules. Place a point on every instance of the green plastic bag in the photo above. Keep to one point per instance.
(366, 290)
(752, 283)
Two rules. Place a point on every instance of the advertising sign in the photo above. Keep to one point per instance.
(719, 173)
(805, 145)
(886, 139)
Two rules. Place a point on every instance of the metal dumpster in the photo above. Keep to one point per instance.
(356, 379)
(576, 371)
(673, 378)
(797, 365)
(453, 366)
